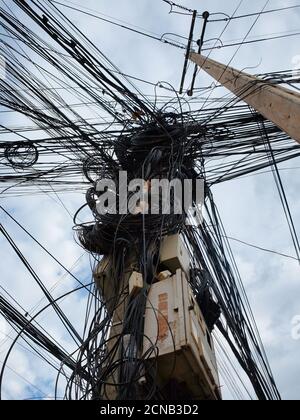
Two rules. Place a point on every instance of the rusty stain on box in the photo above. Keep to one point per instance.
(163, 319)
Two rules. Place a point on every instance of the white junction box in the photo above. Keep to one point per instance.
(136, 283)
(174, 254)
(175, 328)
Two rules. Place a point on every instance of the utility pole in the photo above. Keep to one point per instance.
(116, 297)
(176, 334)
(276, 103)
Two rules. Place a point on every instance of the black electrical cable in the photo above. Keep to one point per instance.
(219, 143)
(165, 41)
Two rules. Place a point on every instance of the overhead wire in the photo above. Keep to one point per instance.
(220, 142)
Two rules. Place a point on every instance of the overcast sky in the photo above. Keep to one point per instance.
(250, 208)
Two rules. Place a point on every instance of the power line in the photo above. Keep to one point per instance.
(252, 41)
(218, 143)
(253, 14)
(262, 249)
(148, 35)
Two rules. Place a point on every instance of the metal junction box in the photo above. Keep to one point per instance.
(175, 325)
(174, 254)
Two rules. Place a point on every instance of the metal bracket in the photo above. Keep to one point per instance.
(200, 43)
(188, 51)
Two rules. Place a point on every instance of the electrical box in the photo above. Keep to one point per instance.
(174, 254)
(136, 283)
(104, 281)
(176, 334)
(109, 284)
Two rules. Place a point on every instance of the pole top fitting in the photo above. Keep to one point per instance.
(205, 15)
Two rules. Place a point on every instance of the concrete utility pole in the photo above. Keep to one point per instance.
(276, 103)
(116, 295)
